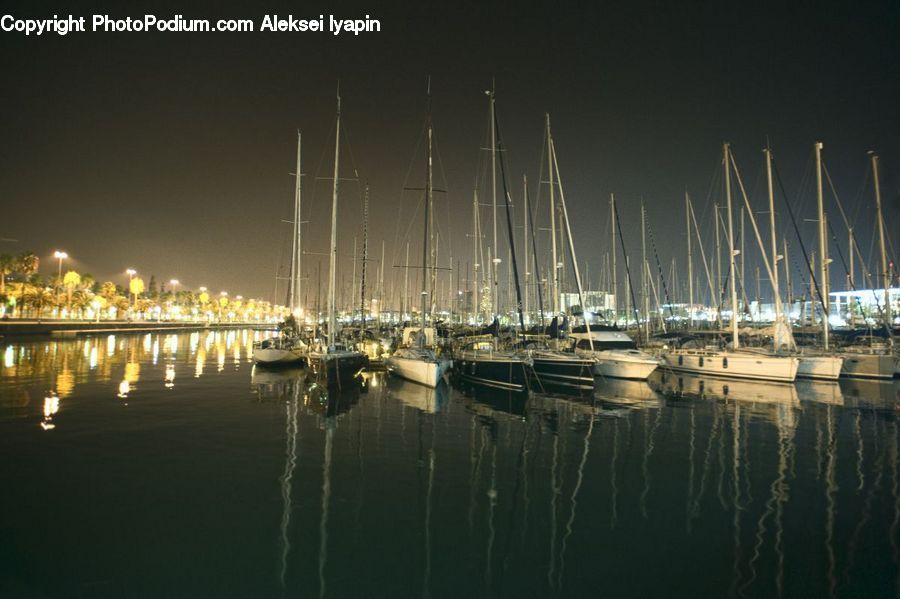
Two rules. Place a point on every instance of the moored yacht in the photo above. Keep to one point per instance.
(281, 350)
(478, 362)
(614, 353)
(418, 364)
(562, 370)
(733, 364)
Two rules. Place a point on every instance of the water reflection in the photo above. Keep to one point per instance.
(417, 396)
(395, 489)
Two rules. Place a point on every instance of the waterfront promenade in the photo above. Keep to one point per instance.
(61, 327)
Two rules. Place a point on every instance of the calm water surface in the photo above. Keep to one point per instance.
(166, 466)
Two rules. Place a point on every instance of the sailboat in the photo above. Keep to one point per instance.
(335, 362)
(557, 369)
(614, 353)
(732, 363)
(479, 361)
(288, 347)
(420, 363)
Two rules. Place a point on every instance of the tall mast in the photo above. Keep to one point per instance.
(332, 258)
(885, 274)
(644, 277)
(615, 286)
(773, 238)
(426, 242)
(476, 248)
(535, 263)
(690, 260)
(406, 285)
(353, 280)
(507, 198)
(365, 258)
(731, 253)
(297, 249)
(850, 286)
(555, 273)
(787, 277)
(565, 215)
(718, 292)
(823, 255)
(525, 240)
(495, 263)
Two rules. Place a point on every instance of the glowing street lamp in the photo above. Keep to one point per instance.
(59, 256)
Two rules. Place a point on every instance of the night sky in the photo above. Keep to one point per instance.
(171, 152)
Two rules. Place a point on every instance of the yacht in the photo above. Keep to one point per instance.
(479, 362)
(614, 353)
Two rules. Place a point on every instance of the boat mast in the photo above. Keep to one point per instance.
(537, 264)
(555, 273)
(615, 287)
(718, 292)
(787, 277)
(495, 263)
(525, 240)
(885, 274)
(644, 275)
(365, 258)
(773, 238)
(332, 258)
(687, 210)
(297, 249)
(406, 287)
(565, 215)
(823, 256)
(476, 247)
(731, 253)
(426, 242)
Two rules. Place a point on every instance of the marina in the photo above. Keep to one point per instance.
(450, 300)
(164, 461)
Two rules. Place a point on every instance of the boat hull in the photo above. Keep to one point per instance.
(428, 373)
(868, 366)
(334, 368)
(820, 367)
(733, 365)
(622, 364)
(563, 371)
(271, 356)
(489, 370)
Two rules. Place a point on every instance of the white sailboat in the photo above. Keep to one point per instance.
(288, 347)
(421, 363)
(335, 362)
(814, 364)
(615, 354)
(732, 363)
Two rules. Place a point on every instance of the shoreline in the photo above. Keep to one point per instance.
(61, 328)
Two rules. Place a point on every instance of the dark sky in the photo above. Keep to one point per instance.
(171, 153)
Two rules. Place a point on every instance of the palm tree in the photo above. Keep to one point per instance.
(7, 267)
(71, 280)
(108, 290)
(26, 264)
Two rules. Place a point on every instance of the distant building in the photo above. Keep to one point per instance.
(598, 302)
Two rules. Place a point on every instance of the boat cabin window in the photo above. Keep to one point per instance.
(602, 345)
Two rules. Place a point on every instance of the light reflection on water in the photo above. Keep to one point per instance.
(270, 485)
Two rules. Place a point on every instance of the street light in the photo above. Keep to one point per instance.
(59, 256)
(130, 272)
(174, 284)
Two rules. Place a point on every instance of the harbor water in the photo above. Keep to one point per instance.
(166, 465)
